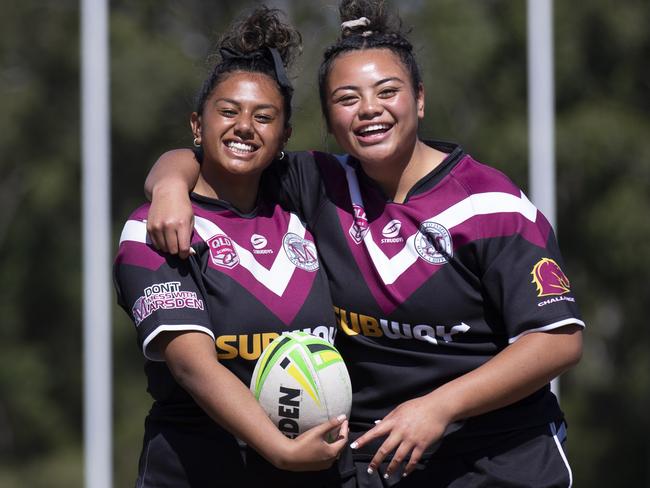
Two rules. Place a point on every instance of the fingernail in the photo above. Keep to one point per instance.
(386, 476)
(354, 445)
(377, 421)
(341, 417)
(404, 475)
(192, 251)
(370, 471)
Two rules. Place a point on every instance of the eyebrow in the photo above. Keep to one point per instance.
(262, 106)
(380, 82)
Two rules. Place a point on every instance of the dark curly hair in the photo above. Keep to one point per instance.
(384, 31)
(251, 37)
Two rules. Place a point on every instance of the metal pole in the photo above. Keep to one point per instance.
(95, 144)
(541, 113)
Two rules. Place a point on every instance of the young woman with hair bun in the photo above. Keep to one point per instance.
(182, 308)
(453, 308)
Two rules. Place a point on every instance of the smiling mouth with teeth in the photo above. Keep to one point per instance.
(373, 129)
(240, 147)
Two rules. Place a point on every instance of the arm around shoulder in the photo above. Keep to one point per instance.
(177, 167)
(170, 219)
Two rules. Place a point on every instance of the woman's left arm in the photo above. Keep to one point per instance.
(191, 358)
(516, 372)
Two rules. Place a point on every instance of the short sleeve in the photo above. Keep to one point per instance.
(524, 277)
(159, 292)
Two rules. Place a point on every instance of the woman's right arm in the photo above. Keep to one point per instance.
(170, 220)
(192, 359)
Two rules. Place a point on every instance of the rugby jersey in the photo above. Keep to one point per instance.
(253, 277)
(430, 289)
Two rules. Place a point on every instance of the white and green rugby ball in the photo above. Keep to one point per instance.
(301, 381)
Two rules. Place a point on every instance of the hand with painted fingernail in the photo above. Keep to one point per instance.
(409, 429)
(313, 450)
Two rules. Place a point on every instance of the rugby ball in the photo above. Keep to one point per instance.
(301, 381)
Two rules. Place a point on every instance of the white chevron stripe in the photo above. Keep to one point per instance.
(278, 276)
(275, 279)
(390, 269)
(135, 230)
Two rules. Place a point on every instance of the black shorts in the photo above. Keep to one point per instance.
(260, 474)
(192, 455)
(531, 458)
(202, 455)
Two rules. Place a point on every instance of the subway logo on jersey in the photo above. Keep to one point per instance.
(353, 323)
(250, 346)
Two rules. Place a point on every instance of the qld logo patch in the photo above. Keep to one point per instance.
(433, 243)
(222, 251)
(549, 278)
(301, 252)
(359, 227)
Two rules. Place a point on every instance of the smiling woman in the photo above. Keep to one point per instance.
(449, 344)
(241, 129)
(373, 112)
(186, 311)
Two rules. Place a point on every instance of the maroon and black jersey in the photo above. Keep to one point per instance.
(430, 289)
(252, 278)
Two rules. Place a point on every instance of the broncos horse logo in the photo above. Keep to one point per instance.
(549, 278)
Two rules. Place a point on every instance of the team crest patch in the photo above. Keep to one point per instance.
(222, 251)
(549, 278)
(433, 243)
(359, 227)
(301, 252)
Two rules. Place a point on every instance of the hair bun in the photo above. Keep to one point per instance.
(379, 18)
(263, 29)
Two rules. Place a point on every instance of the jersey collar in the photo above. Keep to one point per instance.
(454, 154)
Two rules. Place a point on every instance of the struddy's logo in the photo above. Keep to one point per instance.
(359, 227)
(301, 252)
(258, 241)
(549, 278)
(433, 243)
(259, 244)
(391, 229)
(222, 251)
(390, 232)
